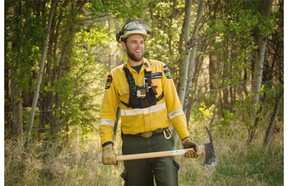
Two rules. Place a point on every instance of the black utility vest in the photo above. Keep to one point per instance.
(148, 94)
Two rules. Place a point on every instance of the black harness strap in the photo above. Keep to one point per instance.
(150, 98)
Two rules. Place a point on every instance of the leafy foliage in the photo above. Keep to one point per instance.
(82, 50)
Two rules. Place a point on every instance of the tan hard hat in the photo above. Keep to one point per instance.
(133, 27)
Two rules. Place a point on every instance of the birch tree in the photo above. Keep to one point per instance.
(39, 79)
(189, 58)
(265, 11)
(185, 62)
(192, 43)
(188, 62)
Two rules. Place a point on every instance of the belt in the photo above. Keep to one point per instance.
(147, 134)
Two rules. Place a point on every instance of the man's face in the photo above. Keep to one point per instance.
(135, 47)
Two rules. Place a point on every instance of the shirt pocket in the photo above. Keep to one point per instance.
(123, 91)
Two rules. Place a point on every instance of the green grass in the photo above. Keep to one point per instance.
(237, 164)
(258, 167)
(78, 164)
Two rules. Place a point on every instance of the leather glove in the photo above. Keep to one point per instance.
(108, 155)
(188, 143)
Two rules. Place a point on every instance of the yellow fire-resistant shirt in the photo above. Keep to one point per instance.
(134, 121)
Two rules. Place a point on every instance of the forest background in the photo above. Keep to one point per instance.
(226, 58)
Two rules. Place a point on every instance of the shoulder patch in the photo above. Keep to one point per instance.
(108, 82)
(167, 72)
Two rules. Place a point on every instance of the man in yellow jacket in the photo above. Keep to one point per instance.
(145, 92)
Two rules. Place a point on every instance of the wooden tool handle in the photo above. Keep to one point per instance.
(158, 154)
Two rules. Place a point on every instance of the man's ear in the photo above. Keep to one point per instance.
(123, 45)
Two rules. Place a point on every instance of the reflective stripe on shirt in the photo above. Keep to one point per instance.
(107, 122)
(133, 112)
(175, 113)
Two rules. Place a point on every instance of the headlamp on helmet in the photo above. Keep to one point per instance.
(133, 27)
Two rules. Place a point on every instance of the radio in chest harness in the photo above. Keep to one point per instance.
(141, 97)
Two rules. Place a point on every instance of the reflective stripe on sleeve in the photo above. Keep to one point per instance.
(138, 111)
(107, 122)
(175, 113)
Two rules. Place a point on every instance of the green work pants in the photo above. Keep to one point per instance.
(143, 172)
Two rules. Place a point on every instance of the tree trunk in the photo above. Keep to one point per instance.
(14, 103)
(214, 61)
(270, 129)
(39, 79)
(185, 62)
(265, 10)
(213, 69)
(193, 39)
(17, 113)
(225, 87)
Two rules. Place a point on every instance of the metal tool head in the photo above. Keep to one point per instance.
(210, 158)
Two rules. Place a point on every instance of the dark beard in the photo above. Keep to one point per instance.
(134, 57)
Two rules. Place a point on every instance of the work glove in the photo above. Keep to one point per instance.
(108, 155)
(187, 144)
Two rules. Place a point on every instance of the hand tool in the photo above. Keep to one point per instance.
(207, 149)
